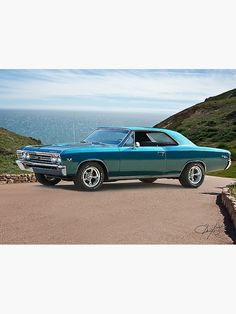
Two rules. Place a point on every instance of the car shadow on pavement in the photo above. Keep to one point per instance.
(229, 227)
(110, 186)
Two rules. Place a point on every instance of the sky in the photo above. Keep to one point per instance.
(163, 91)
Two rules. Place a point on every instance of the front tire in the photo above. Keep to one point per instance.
(46, 180)
(192, 176)
(148, 180)
(90, 177)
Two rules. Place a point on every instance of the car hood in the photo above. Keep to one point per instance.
(59, 148)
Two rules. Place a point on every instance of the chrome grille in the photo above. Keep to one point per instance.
(39, 157)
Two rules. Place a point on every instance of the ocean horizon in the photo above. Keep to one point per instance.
(61, 126)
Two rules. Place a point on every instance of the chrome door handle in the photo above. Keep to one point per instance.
(161, 153)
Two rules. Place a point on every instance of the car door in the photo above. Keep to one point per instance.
(141, 160)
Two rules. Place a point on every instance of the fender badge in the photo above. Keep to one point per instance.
(69, 159)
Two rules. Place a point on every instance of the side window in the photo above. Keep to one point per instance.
(130, 140)
(162, 139)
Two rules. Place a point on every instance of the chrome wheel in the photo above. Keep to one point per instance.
(195, 174)
(91, 176)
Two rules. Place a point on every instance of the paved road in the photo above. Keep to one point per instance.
(122, 212)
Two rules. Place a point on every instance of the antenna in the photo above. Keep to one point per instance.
(74, 130)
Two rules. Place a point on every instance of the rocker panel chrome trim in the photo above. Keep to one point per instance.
(141, 177)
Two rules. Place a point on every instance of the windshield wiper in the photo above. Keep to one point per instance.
(99, 143)
(85, 142)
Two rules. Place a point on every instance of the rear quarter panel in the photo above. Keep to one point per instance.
(178, 156)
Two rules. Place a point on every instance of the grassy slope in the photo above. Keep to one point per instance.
(233, 190)
(9, 142)
(210, 123)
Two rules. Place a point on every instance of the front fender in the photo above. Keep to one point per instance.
(111, 161)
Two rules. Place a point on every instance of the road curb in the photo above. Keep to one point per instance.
(230, 203)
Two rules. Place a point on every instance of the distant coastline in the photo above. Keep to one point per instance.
(63, 126)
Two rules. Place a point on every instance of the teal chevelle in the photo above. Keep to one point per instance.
(118, 153)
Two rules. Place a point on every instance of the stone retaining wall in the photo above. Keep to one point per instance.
(17, 178)
(230, 203)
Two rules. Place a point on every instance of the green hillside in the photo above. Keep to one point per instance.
(209, 123)
(9, 142)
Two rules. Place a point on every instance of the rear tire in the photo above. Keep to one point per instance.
(90, 177)
(192, 176)
(46, 180)
(148, 180)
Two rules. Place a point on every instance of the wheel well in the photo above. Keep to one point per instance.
(99, 162)
(195, 161)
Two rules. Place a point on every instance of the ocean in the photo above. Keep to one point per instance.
(68, 126)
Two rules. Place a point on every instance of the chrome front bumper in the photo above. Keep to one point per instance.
(48, 169)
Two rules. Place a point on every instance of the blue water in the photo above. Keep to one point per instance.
(69, 126)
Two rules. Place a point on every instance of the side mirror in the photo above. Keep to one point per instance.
(137, 144)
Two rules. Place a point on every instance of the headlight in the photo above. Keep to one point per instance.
(56, 159)
(23, 155)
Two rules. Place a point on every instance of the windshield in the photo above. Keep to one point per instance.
(103, 136)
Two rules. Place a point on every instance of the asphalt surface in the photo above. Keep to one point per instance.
(124, 212)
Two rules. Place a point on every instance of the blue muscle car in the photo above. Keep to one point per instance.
(110, 154)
